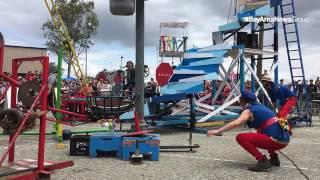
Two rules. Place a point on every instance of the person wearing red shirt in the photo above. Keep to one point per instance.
(118, 80)
(29, 76)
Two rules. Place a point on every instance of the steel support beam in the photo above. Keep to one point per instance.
(139, 87)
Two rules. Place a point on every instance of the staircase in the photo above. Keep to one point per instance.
(196, 67)
(292, 41)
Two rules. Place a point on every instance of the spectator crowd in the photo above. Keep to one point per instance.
(122, 82)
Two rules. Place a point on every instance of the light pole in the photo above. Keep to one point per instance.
(121, 62)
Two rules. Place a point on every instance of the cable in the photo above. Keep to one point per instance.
(229, 10)
(296, 166)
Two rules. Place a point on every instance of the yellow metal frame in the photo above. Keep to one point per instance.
(63, 32)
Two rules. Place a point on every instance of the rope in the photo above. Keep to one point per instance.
(296, 166)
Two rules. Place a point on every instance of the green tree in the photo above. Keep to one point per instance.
(81, 22)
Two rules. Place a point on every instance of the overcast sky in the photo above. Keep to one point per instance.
(21, 23)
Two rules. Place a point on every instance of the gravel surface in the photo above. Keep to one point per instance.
(217, 158)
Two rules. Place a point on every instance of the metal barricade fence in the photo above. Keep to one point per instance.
(315, 104)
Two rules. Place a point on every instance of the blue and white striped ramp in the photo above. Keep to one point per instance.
(229, 27)
(130, 115)
(206, 77)
(218, 50)
(197, 66)
(185, 74)
(168, 98)
(183, 87)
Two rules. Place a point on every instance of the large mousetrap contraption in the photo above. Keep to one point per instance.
(28, 107)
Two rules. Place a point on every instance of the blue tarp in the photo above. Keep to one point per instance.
(69, 79)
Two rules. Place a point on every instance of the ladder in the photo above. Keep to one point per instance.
(292, 39)
(294, 53)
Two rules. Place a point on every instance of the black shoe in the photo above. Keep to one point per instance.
(262, 166)
(274, 160)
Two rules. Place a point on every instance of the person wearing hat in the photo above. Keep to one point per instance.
(282, 82)
(130, 76)
(270, 135)
(312, 88)
(317, 82)
(265, 73)
(29, 76)
(287, 99)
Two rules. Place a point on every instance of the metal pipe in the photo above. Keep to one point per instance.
(15, 67)
(276, 45)
(66, 112)
(253, 83)
(242, 74)
(60, 122)
(15, 136)
(1, 52)
(58, 100)
(43, 120)
(11, 80)
(139, 73)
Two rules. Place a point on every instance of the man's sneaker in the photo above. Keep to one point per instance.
(274, 160)
(262, 166)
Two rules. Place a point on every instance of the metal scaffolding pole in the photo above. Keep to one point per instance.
(140, 60)
(276, 46)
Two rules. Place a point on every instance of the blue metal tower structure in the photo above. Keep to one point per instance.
(200, 65)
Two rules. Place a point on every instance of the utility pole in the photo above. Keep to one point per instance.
(125, 8)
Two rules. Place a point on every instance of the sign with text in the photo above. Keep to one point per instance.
(163, 73)
(181, 25)
(171, 46)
